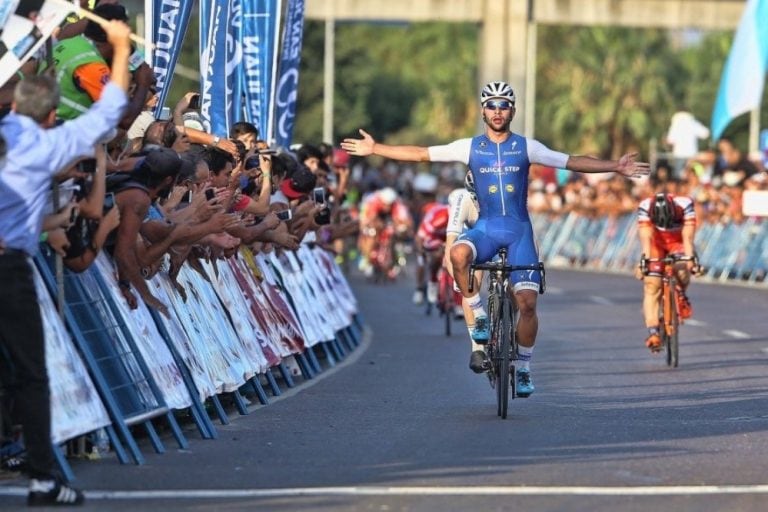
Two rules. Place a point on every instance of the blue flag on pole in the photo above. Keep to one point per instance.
(743, 78)
(261, 20)
(217, 54)
(288, 82)
(169, 24)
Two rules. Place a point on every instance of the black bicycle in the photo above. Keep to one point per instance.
(501, 349)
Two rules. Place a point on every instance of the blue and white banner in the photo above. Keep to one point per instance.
(261, 21)
(218, 59)
(170, 19)
(235, 59)
(743, 78)
(288, 82)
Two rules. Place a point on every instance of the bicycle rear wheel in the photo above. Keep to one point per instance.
(503, 379)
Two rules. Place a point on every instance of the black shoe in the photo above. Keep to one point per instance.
(57, 496)
(478, 361)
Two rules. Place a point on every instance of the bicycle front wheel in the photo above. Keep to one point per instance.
(503, 376)
(672, 328)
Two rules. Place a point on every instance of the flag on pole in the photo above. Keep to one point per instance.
(218, 53)
(743, 78)
(261, 21)
(288, 82)
(25, 25)
(170, 19)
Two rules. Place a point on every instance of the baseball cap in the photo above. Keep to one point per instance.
(340, 158)
(193, 120)
(299, 184)
(162, 161)
(93, 30)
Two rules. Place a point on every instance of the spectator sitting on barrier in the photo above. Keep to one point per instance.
(36, 152)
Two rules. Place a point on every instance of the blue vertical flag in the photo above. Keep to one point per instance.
(261, 21)
(169, 24)
(743, 78)
(235, 61)
(288, 81)
(216, 73)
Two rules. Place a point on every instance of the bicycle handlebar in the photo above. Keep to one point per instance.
(670, 259)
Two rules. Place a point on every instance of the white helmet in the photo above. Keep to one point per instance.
(501, 90)
(425, 183)
(387, 195)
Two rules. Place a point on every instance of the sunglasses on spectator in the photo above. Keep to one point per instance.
(498, 104)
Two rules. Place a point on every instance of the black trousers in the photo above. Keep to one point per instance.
(22, 339)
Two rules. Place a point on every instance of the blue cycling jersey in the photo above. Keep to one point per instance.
(500, 171)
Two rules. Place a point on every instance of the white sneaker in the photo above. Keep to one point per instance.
(432, 292)
(418, 297)
(458, 311)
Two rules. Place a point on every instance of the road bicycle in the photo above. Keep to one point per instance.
(501, 349)
(447, 298)
(669, 314)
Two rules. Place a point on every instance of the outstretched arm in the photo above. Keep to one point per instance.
(367, 146)
(626, 165)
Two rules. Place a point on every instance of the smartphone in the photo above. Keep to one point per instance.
(165, 114)
(194, 102)
(318, 195)
(267, 151)
(210, 194)
(284, 215)
(109, 201)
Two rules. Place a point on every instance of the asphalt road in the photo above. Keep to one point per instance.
(404, 425)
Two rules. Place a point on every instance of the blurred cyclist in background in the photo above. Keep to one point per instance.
(430, 236)
(380, 210)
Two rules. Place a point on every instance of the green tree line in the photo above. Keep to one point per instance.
(600, 90)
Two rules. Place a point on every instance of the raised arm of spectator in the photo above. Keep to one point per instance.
(144, 78)
(201, 137)
(92, 206)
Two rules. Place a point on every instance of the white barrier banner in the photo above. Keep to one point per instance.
(147, 338)
(76, 407)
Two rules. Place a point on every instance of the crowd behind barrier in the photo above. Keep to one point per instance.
(245, 317)
(727, 251)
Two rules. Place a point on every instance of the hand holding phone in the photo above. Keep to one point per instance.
(285, 215)
(318, 195)
(210, 194)
(194, 102)
(109, 201)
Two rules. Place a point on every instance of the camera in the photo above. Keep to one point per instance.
(323, 217)
(194, 102)
(88, 165)
(284, 215)
(109, 201)
(318, 195)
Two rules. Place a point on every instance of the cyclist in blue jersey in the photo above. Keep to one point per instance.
(499, 161)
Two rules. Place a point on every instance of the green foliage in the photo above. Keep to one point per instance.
(387, 81)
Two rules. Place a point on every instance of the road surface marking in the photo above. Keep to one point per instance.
(671, 490)
(601, 300)
(733, 333)
(695, 323)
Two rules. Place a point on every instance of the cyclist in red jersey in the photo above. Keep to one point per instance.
(430, 246)
(667, 225)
